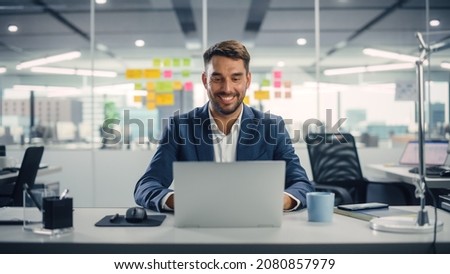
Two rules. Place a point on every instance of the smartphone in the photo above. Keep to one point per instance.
(353, 207)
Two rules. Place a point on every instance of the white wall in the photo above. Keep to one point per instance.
(106, 178)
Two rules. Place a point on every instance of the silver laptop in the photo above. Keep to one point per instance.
(435, 153)
(237, 194)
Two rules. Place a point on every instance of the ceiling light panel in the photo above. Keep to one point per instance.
(48, 60)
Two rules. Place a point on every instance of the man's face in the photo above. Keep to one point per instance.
(226, 82)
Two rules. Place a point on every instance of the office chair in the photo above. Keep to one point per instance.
(27, 175)
(2, 150)
(335, 167)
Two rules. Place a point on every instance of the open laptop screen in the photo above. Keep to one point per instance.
(237, 194)
(435, 153)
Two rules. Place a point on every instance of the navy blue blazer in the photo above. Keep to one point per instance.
(188, 137)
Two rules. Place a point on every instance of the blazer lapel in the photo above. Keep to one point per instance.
(205, 150)
(248, 136)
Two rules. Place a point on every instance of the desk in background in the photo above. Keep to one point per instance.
(296, 235)
(402, 173)
(11, 177)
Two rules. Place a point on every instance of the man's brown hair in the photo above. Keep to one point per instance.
(230, 48)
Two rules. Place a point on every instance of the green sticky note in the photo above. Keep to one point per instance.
(187, 62)
(185, 73)
(156, 62)
(176, 62)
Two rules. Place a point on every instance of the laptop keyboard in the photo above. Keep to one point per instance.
(434, 171)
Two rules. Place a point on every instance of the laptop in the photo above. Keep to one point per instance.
(237, 194)
(435, 153)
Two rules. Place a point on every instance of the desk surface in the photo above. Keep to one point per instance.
(402, 173)
(296, 235)
(10, 177)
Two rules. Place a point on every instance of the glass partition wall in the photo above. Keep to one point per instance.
(107, 74)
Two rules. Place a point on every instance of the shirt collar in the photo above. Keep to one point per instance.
(215, 128)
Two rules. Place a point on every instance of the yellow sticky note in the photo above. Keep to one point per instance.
(151, 96)
(133, 73)
(152, 73)
(165, 99)
(262, 95)
(247, 100)
(177, 85)
(137, 99)
(151, 105)
(150, 86)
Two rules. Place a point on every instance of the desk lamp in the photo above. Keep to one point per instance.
(422, 223)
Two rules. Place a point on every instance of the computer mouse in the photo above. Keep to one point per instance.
(445, 173)
(135, 215)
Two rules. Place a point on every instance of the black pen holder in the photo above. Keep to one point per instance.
(57, 213)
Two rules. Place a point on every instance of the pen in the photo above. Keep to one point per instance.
(63, 194)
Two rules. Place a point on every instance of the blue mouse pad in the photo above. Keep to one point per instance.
(152, 220)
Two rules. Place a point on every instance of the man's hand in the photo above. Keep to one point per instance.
(169, 201)
(288, 202)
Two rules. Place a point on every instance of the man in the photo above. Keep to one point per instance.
(223, 130)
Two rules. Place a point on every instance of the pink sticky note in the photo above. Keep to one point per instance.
(167, 74)
(188, 86)
(277, 74)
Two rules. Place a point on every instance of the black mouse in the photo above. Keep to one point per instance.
(135, 215)
(445, 173)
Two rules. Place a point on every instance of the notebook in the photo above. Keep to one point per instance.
(237, 194)
(435, 153)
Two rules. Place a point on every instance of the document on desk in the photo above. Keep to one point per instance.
(11, 216)
(369, 214)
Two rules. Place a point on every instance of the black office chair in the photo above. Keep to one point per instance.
(2, 150)
(12, 194)
(335, 166)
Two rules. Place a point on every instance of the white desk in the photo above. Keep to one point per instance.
(296, 235)
(10, 177)
(402, 174)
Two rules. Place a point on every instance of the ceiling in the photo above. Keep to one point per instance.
(173, 28)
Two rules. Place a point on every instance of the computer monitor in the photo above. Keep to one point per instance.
(436, 152)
